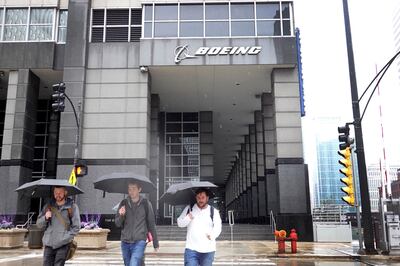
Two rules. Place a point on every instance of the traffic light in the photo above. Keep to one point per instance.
(344, 137)
(347, 171)
(81, 170)
(58, 97)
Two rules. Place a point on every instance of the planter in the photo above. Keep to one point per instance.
(92, 238)
(12, 238)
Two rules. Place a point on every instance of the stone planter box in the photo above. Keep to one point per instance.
(92, 238)
(12, 238)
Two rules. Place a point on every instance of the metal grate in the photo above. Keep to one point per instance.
(136, 33)
(136, 17)
(98, 17)
(97, 34)
(117, 17)
(117, 34)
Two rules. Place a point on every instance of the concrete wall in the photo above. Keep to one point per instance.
(275, 51)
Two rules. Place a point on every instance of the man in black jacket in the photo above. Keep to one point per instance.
(136, 218)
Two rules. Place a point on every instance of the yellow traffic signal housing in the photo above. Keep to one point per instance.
(348, 176)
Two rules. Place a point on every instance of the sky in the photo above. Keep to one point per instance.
(326, 76)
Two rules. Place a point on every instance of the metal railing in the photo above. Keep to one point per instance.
(272, 221)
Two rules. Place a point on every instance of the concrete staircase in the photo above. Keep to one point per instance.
(240, 232)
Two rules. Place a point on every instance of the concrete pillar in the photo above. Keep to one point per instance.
(206, 146)
(290, 168)
(18, 140)
(269, 153)
(249, 206)
(155, 148)
(253, 172)
(260, 168)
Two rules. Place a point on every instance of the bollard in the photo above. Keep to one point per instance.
(293, 240)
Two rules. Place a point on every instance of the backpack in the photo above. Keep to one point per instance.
(211, 211)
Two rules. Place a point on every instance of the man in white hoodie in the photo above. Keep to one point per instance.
(203, 227)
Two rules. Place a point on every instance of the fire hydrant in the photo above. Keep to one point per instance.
(293, 240)
(281, 236)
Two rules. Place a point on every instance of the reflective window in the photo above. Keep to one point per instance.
(242, 11)
(268, 28)
(166, 29)
(217, 29)
(217, 11)
(62, 26)
(218, 20)
(166, 12)
(268, 11)
(242, 28)
(191, 29)
(191, 12)
(148, 12)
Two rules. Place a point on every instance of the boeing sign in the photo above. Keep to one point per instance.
(182, 51)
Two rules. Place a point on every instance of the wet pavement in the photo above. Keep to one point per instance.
(236, 253)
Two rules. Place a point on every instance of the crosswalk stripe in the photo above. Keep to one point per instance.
(162, 261)
(22, 257)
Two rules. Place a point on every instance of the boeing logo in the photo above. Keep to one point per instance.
(182, 51)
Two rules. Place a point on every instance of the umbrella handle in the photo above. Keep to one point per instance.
(104, 193)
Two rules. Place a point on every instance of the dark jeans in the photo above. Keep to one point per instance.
(133, 253)
(194, 258)
(55, 257)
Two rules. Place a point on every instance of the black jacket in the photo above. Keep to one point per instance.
(134, 224)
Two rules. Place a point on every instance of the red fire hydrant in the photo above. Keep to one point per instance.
(281, 236)
(293, 240)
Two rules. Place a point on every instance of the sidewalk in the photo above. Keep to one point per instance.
(225, 250)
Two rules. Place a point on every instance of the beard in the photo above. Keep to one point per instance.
(60, 198)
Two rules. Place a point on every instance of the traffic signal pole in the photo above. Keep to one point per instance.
(362, 170)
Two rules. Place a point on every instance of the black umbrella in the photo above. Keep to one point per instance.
(118, 183)
(43, 188)
(184, 193)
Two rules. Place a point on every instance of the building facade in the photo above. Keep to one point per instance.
(175, 91)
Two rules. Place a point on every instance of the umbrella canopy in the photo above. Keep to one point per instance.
(118, 183)
(43, 188)
(184, 193)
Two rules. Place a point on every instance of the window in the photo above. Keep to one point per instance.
(2, 116)
(41, 139)
(182, 148)
(1, 21)
(242, 20)
(218, 20)
(41, 24)
(15, 24)
(62, 26)
(116, 25)
(28, 24)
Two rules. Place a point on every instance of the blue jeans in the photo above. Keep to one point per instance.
(133, 253)
(194, 258)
